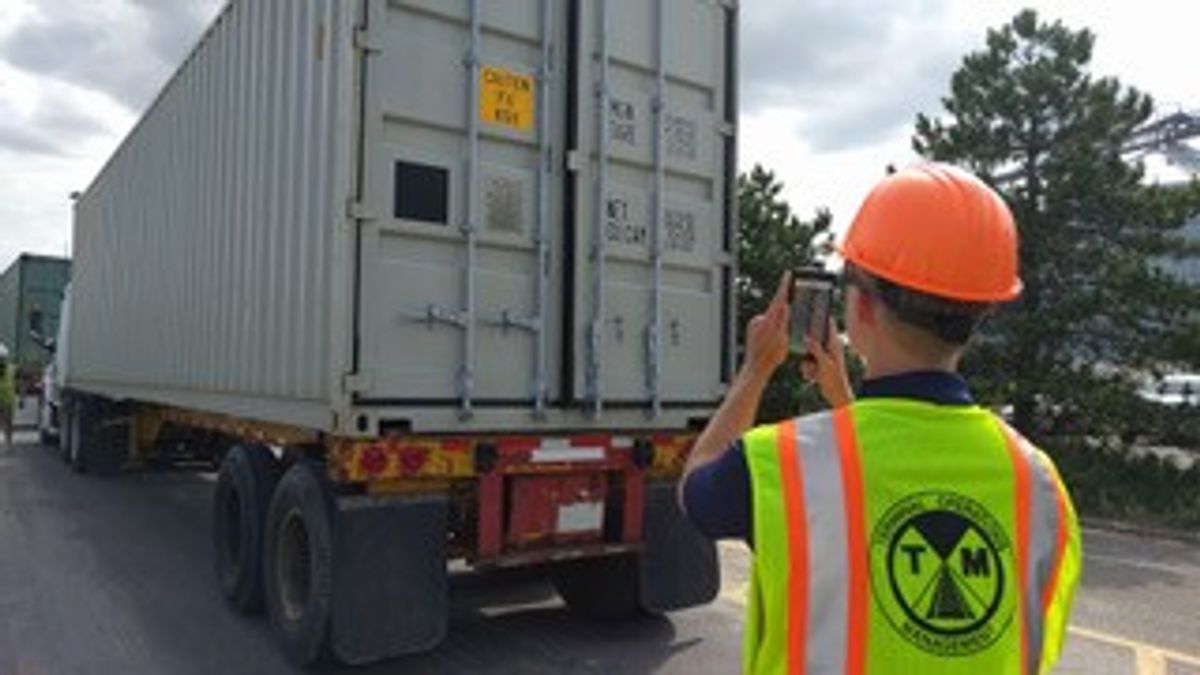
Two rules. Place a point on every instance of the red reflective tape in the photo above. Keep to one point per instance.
(1060, 544)
(635, 499)
(797, 524)
(491, 514)
(1022, 498)
(856, 546)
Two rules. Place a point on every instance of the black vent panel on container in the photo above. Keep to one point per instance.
(422, 193)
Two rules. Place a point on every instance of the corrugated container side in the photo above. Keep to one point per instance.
(204, 249)
(447, 207)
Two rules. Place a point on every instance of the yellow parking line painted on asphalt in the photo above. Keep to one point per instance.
(735, 594)
(1150, 659)
(1149, 656)
(1147, 662)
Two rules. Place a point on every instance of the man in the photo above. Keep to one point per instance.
(8, 396)
(910, 531)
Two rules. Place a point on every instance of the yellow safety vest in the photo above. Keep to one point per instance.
(898, 536)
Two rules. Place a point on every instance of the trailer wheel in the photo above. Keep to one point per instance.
(241, 498)
(106, 448)
(298, 564)
(600, 588)
(676, 569)
(83, 435)
(64, 431)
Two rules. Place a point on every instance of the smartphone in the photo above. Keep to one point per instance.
(811, 301)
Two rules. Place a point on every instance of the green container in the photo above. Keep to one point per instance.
(32, 284)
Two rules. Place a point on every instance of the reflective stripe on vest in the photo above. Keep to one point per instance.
(1042, 533)
(810, 607)
(827, 585)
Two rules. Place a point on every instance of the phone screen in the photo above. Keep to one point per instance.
(812, 300)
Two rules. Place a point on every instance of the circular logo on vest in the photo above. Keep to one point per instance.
(938, 572)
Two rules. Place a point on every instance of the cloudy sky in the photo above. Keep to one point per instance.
(830, 87)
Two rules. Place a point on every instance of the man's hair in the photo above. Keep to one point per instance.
(950, 321)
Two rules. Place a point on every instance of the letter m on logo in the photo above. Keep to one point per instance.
(975, 562)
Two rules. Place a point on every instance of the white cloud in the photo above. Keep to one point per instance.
(853, 73)
(121, 48)
(74, 77)
(829, 89)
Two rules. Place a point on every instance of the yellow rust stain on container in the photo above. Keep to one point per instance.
(506, 98)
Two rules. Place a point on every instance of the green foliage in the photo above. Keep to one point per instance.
(772, 240)
(1096, 311)
(1107, 482)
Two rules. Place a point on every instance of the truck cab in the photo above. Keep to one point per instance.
(50, 401)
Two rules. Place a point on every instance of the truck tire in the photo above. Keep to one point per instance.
(96, 447)
(106, 455)
(241, 498)
(676, 569)
(64, 432)
(600, 588)
(298, 564)
(83, 435)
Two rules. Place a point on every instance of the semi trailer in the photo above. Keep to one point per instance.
(431, 280)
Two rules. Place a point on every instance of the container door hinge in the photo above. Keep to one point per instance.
(365, 41)
(356, 383)
(356, 210)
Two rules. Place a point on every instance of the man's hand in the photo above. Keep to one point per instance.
(767, 334)
(826, 367)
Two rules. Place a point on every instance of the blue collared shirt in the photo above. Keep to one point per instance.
(717, 495)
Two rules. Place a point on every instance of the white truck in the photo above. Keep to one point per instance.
(434, 280)
(49, 415)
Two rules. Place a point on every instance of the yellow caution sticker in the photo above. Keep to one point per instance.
(506, 98)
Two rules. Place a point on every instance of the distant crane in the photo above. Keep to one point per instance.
(1167, 135)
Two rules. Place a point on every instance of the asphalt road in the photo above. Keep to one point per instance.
(114, 576)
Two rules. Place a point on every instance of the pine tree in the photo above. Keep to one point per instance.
(1097, 312)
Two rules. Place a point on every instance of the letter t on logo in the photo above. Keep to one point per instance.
(914, 552)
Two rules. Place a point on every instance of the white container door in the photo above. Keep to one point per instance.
(653, 157)
(460, 249)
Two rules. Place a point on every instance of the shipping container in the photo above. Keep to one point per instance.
(31, 292)
(464, 268)
(354, 215)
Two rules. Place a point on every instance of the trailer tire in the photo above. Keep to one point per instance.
(83, 435)
(64, 432)
(298, 564)
(677, 568)
(600, 588)
(241, 498)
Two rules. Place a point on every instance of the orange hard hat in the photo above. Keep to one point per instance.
(939, 230)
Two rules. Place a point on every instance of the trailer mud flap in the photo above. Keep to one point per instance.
(390, 580)
(679, 566)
